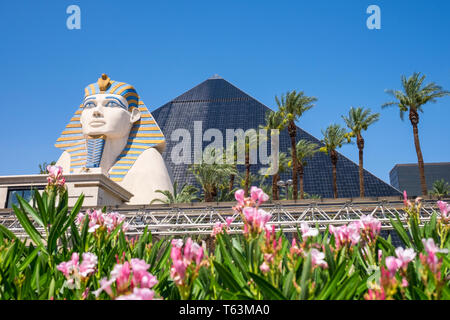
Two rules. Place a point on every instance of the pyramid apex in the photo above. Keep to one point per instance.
(215, 77)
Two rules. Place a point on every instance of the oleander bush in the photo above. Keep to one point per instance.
(88, 256)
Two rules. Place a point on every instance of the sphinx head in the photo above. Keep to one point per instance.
(108, 115)
(109, 109)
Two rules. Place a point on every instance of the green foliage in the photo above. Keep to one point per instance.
(415, 94)
(441, 188)
(28, 268)
(333, 137)
(187, 194)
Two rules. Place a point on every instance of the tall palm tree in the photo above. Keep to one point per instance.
(413, 97)
(250, 143)
(274, 120)
(360, 119)
(304, 150)
(233, 148)
(292, 106)
(186, 194)
(334, 137)
(283, 160)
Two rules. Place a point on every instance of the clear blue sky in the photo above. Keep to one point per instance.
(265, 48)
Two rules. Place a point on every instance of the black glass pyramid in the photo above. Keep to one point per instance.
(218, 104)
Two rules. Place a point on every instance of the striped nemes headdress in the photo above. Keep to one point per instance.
(145, 133)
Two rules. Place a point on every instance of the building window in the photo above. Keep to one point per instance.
(25, 192)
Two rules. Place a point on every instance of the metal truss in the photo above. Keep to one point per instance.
(179, 221)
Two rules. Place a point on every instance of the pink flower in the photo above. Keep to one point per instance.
(404, 282)
(239, 196)
(346, 235)
(264, 267)
(371, 227)
(307, 231)
(128, 276)
(229, 220)
(444, 207)
(74, 272)
(393, 264)
(375, 295)
(258, 196)
(89, 264)
(100, 220)
(405, 256)
(138, 294)
(317, 258)
(256, 219)
(181, 259)
(55, 177)
(105, 285)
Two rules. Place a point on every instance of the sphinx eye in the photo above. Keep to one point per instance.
(112, 104)
(89, 104)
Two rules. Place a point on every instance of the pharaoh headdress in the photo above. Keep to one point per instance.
(145, 133)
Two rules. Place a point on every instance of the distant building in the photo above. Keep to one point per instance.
(407, 177)
(219, 104)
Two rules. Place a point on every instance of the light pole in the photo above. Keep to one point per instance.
(286, 184)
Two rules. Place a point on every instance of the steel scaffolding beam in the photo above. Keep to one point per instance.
(166, 221)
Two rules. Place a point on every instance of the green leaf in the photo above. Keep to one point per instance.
(41, 207)
(56, 229)
(398, 226)
(306, 274)
(227, 278)
(330, 259)
(29, 259)
(333, 282)
(8, 234)
(268, 290)
(287, 284)
(51, 290)
(416, 234)
(29, 228)
(225, 249)
(386, 245)
(29, 210)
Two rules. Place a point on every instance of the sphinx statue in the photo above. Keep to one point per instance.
(114, 133)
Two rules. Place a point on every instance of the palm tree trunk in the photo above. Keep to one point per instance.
(334, 158)
(230, 187)
(414, 118)
(208, 196)
(300, 173)
(247, 173)
(360, 142)
(292, 129)
(275, 187)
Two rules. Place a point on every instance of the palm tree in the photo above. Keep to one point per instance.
(251, 142)
(413, 97)
(212, 176)
(334, 137)
(304, 150)
(282, 167)
(292, 106)
(360, 119)
(187, 194)
(441, 189)
(275, 121)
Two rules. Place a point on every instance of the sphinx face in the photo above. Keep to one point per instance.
(107, 114)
